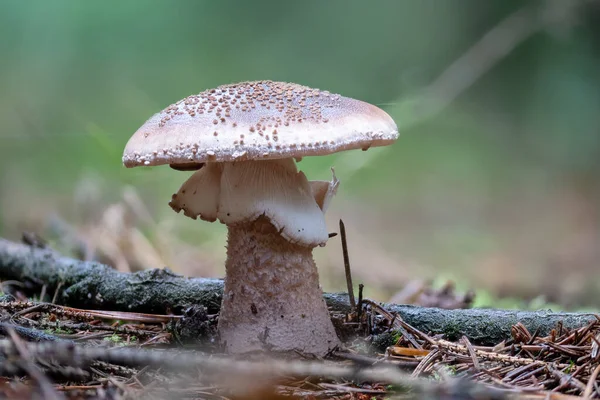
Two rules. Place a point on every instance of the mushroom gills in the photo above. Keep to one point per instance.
(199, 195)
(191, 166)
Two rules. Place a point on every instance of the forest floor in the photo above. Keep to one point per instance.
(52, 351)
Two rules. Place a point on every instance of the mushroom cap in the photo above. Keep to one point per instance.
(258, 120)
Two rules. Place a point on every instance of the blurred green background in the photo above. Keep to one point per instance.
(494, 182)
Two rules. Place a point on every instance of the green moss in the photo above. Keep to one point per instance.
(114, 338)
(452, 330)
(58, 331)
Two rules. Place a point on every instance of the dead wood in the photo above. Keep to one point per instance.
(96, 286)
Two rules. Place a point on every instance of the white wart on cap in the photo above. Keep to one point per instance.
(258, 120)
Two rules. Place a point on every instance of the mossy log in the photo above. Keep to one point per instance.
(96, 286)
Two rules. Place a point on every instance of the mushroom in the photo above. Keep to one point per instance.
(242, 140)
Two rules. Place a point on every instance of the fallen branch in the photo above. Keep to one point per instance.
(31, 335)
(273, 368)
(95, 286)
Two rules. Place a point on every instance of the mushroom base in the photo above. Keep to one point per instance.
(272, 299)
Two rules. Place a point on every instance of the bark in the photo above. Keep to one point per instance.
(96, 286)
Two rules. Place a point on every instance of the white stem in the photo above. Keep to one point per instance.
(272, 299)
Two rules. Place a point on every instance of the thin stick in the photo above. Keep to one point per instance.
(361, 287)
(347, 264)
(472, 354)
(27, 363)
(589, 388)
(56, 292)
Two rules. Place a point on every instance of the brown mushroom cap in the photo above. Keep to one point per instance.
(259, 120)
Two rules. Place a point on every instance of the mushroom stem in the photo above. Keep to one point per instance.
(272, 299)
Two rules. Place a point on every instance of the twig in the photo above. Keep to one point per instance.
(471, 352)
(27, 333)
(589, 388)
(347, 265)
(357, 358)
(124, 316)
(43, 293)
(394, 322)
(490, 356)
(33, 308)
(370, 361)
(361, 287)
(89, 314)
(83, 326)
(56, 291)
(350, 389)
(63, 388)
(27, 364)
(426, 362)
(566, 380)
